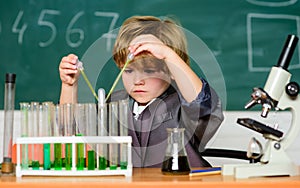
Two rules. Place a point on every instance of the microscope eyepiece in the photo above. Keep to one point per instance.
(287, 52)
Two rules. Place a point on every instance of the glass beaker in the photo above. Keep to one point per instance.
(175, 161)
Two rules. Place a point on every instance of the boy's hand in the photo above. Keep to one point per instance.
(151, 44)
(68, 71)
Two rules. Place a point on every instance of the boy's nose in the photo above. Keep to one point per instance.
(139, 79)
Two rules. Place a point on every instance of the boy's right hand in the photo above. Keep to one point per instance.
(68, 71)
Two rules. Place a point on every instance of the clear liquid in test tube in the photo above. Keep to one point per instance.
(91, 117)
(69, 131)
(34, 132)
(80, 130)
(123, 117)
(24, 110)
(113, 131)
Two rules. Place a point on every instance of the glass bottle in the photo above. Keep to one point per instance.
(175, 161)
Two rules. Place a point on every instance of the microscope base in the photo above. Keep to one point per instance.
(259, 169)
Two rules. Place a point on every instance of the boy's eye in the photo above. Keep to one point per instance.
(128, 71)
(149, 71)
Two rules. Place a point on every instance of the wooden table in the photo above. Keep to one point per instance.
(148, 177)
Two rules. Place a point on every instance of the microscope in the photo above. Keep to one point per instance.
(279, 93)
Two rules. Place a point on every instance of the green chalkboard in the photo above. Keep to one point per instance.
(232, 43)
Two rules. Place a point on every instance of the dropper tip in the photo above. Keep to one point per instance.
(79, 65)
(130, 56)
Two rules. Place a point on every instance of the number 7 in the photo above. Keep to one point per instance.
(108, 35)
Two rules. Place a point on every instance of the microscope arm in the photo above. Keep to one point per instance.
(285, 102)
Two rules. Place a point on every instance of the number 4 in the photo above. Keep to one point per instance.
(20, 31)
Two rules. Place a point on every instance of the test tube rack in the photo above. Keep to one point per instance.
(74, 140)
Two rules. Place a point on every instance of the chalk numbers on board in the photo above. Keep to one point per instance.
(19, 28)
(43, 22)
(45, 19)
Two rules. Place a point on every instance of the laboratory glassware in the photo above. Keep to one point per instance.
(175, 160)
(9, 105)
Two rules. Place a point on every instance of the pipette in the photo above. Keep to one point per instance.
(129, 58)
(80, 67)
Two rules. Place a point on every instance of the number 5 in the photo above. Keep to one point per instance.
(49, 24)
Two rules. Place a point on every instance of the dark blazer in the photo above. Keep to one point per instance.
(200, 118)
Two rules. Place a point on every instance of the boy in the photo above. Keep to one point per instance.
(164, 91)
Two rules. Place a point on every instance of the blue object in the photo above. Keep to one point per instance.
(206, 170)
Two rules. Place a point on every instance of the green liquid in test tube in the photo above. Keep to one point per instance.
(102, 163)
(80, 130)
(57, 156)
(35, 165)
(80, 155)
(91, 160)
(68, 156)
(47, 161)
(46, 113)
(57, 131)
(123, 165)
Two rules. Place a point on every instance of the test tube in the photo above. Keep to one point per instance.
(80, 121)
(113, 131)
(69, 131)
(123, 117)
(34, 123)
(24, 108)
(91, 118)
(57, 131)
(46, 131)
(9, 105)
(102, 130)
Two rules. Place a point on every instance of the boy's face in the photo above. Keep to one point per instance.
(144, 82)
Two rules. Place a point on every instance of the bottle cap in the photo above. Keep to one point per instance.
(10, 78)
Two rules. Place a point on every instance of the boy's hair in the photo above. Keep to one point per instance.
(165, 30)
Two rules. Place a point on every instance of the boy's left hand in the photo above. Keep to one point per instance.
(151, 44)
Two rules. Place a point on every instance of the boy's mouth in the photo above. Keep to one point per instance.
(139, 91)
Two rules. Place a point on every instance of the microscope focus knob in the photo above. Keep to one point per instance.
(292, 89)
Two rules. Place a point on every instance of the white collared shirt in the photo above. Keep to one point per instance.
(137, 110)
